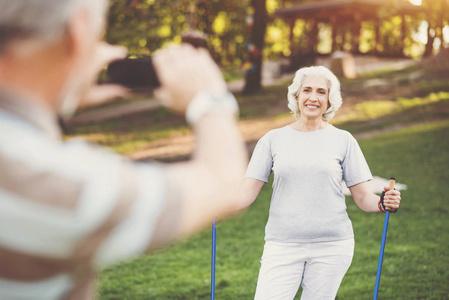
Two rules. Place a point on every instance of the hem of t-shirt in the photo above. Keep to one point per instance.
(314, 240)
(257, 178)
(350, 184)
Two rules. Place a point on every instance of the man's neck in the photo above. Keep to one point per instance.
(38, 76)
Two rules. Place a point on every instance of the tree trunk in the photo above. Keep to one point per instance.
(291, 37)
(334, 26)
(403, 34)
(253, 80)
(378, 45)
(313, 37)
(356, 24)
(430, 40)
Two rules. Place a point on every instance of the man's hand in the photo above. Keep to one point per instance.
(97, 94)
(183, 72)
(101, 93)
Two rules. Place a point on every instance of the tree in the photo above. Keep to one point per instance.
(253, 79)
(146, 25)
(437, 17)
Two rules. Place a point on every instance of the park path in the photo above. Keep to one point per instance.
(181, 147)
(363, 64)
(147, 104)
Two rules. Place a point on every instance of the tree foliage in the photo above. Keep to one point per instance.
(146, 25)
(437, 20)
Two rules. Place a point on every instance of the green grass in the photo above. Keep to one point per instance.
(427, 87)
(380, 114)
(416, 264)
(389, 73)
(131, 133)
(233, 74)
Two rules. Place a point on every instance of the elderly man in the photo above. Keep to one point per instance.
(67, 207)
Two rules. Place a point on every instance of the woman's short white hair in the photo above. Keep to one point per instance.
(335, 99)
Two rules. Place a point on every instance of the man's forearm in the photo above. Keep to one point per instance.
(207, 185)
(220, 146)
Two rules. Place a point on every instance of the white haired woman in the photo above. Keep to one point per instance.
(309, 239)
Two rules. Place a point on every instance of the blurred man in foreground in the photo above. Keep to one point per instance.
(67, 207)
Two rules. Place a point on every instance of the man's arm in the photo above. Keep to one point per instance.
(97, 94)
(206, 185)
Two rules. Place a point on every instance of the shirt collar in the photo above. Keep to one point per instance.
(31, 112)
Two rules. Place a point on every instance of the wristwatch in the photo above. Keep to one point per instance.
(204, 103)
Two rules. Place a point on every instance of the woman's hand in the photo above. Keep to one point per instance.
(369, 202)
(392, 199)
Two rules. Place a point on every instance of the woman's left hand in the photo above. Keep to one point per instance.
(392, 199)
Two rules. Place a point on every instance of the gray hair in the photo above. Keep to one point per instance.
(43, 20)
(335, 99)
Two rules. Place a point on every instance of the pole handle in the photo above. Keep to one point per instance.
(391, 187)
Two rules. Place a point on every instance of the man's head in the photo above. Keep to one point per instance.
(47, 46)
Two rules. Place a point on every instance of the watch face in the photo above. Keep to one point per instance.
(204, 103)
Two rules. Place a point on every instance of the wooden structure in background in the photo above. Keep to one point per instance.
(344, 14)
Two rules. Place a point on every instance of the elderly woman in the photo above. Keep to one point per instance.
(308, 237)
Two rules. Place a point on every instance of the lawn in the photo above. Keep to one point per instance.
(416, 264)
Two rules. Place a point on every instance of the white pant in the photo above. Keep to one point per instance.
(319, 268)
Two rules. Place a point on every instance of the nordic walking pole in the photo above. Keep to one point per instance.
(382, 246)
(212, 267)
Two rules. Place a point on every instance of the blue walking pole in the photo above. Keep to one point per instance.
(212, 267)
(382, 245)
(381, 255)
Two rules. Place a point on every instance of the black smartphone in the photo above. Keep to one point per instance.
(139, 72)
(133, 73)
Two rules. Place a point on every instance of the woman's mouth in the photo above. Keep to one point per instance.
(312, 106)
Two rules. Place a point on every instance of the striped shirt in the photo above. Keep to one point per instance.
(67, 208)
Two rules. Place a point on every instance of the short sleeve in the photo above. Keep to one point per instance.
(355, 167)
(134, 234)
(261, 162)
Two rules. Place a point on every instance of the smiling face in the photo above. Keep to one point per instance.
(313, 97)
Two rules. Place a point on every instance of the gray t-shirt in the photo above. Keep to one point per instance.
(307, 204)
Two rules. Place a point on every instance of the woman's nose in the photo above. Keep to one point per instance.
(313, 97)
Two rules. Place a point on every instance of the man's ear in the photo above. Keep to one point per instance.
(77, 32)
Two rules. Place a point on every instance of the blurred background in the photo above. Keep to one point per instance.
(292, 33)
(392, 57)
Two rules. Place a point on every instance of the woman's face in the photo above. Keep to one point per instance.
(313, 97)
